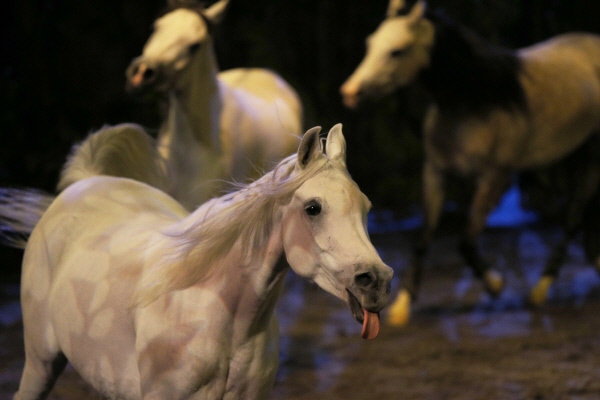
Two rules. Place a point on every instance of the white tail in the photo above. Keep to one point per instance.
(124, 150)
(20, 211)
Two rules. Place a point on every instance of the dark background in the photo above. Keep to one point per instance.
(62, 65)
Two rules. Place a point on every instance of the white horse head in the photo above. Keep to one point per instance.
(325, 236)
(396, 52)
(322, 216)
(181, 37)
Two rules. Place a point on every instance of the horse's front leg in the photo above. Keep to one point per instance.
(433, 199)
(586, 185)
(489, 189)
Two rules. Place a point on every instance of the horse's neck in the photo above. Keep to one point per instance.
(248, 288)
(254, 293)
(195, 104)
(467, 72)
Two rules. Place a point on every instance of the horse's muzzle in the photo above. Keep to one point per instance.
(140, 76)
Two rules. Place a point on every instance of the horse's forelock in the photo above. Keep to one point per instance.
(193, 5)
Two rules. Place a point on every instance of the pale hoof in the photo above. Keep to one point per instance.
(539, 293)
(493, 282)
(399, 311)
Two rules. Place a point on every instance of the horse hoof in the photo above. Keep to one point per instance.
(493, 282)
(399, 312)
(539, 293)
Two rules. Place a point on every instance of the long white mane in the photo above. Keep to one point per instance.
(245, 216)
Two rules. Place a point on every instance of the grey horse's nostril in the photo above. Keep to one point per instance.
(364, 279)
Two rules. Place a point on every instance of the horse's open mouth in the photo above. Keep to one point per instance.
(368, 319)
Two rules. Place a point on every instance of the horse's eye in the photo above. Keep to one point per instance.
(397, 52)
(194, 47)
(313, 208)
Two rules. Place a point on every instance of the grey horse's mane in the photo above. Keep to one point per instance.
(245, 217)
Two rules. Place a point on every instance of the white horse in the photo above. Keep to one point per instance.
(147, 301)
(495, 111)
(220, 126)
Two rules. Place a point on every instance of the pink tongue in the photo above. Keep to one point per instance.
(370, 328)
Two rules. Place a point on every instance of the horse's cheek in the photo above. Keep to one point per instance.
(299, 245)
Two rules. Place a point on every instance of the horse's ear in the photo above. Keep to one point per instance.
(216, 12)
(336, 144)
(310, 146)
(416, 12)
(394, 8)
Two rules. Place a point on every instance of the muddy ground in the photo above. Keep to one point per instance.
(460, 344)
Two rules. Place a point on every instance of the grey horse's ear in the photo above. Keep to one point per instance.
(216, 12)
(394, 8)
(310, 147)
(335, 147)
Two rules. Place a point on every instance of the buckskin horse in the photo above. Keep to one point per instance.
(495, 111)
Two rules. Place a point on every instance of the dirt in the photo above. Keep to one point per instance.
(460, 343)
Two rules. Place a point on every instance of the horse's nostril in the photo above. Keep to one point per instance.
(149, 74)
(364, 279)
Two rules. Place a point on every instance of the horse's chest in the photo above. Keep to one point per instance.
(206, 354)
(253, 367)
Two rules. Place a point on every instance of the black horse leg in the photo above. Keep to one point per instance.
(489, 190)
(586, 185)
(400, 308)
(412, 276)
(433, 198)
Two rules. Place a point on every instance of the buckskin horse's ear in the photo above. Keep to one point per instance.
(310, 147)
(216, 12)
(394, 8)
(335, 147)
(417, 12)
